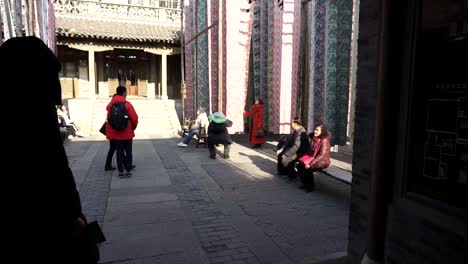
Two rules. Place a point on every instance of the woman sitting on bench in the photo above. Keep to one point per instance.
(63, 113)
(317, 158)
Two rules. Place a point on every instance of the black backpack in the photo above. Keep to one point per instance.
(118, 116)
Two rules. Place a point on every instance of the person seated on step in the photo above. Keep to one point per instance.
(318, 157)
(218, 134)
(63, 114)
(201, 121)
(293, 149)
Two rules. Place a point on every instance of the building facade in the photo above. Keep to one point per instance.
(295, 55)
(134, 43)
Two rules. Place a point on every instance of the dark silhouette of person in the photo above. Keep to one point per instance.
(44, 218)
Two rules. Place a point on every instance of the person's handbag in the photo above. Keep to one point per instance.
(86, 245)
(306, 159)
(103, 129)
(260, 133)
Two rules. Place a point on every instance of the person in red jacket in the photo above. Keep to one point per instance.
(256, 130)
(122, 138)
(319, 150)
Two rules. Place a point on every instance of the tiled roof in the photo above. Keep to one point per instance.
(115, 30)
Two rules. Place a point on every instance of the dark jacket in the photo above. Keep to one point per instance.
(218, 134)
(42, 213)
(296, 146)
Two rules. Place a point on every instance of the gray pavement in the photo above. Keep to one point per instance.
(182, 207)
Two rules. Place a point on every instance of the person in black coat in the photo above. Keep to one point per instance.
(218, 134)
(44, 218)
(293, 149)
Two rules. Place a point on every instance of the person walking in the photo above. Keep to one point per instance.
(256, 129)
(122, 120)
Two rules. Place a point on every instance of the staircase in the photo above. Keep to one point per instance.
(156, 118)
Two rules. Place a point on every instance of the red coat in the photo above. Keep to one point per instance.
(127, 133)
(322, 158)
(256, 122)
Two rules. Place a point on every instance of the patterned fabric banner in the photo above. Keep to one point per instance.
(296, 37)
(297, 65)
(276, 68)
(345, 13)
(331, 64)
(319, 62)
(214, 4)
(271, 103)
(238, 37)
(189, 63)
(264, 55)
(311, 63)
(256, 56)
(203, 83)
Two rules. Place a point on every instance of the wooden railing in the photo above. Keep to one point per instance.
(164, 12)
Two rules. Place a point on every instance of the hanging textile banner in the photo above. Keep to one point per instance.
(331, 90)
(310, 60)
(264, 54)
(213, 45)
(338, 41)
(238, 41)
(203, 84)
(318, 53)
(256, 50)
(189, 55)
(276, 68)
(270, 101)
(345, 13)
(296, 37)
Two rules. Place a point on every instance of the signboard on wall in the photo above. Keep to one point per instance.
(439, 152)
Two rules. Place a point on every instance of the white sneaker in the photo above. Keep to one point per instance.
(182, 144)
(70, 137)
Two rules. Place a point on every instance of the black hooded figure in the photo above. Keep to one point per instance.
(44, 219)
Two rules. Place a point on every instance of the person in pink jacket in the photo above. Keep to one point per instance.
(319, 151)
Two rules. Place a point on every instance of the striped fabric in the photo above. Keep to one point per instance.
(203, 84)
(297, 67)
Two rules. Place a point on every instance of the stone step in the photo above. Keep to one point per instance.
(155, 116)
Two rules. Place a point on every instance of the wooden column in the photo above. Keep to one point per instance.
(164, 76)
(152, 77)
(91, 71)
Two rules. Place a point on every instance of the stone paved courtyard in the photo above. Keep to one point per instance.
(182, 207)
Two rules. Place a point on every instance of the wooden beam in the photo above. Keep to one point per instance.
(201, 32)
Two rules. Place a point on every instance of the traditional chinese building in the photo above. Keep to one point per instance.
(103, 44)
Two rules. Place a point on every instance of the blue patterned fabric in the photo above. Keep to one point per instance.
(256, 56)
(311, 63)
(345, 13)
(203, 85)
(259, 66)
(264, 41)
(319, 62)
(331, 64)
